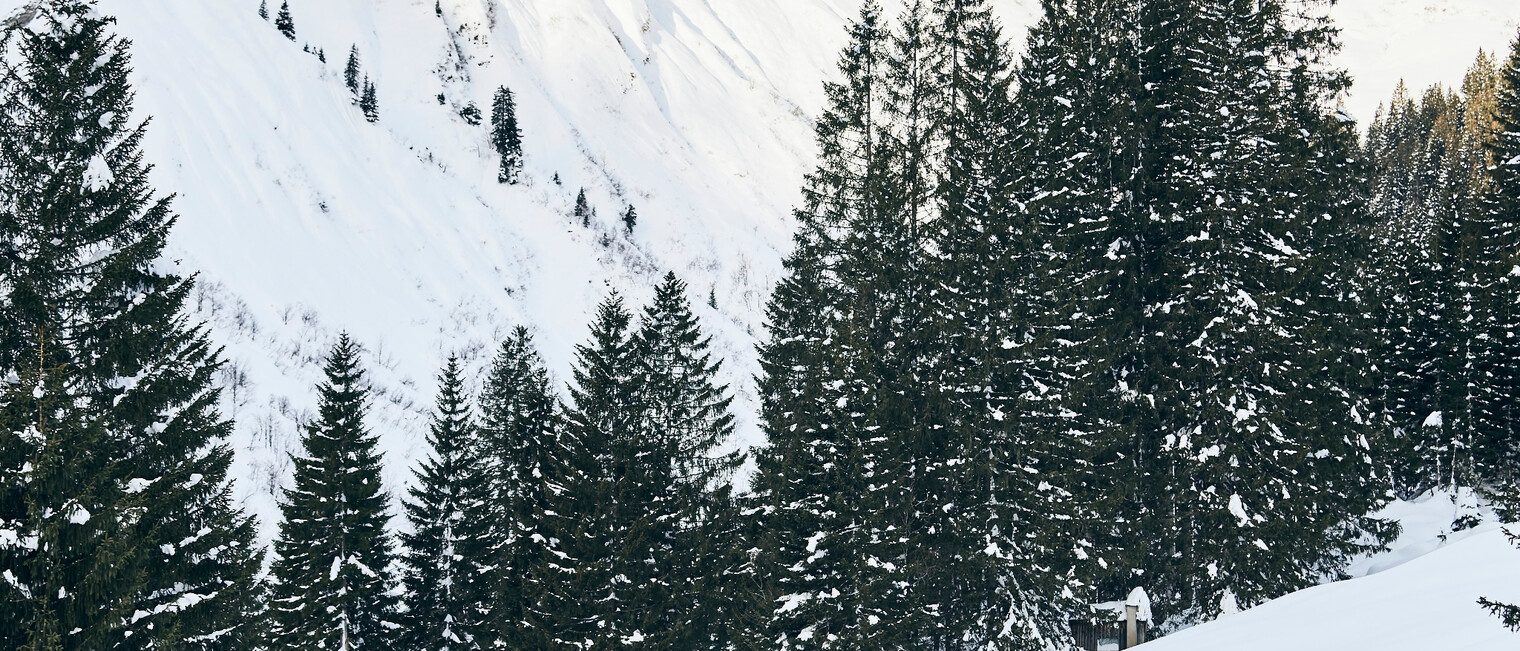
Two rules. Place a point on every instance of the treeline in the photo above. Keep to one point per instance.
(534, 524)
(1444, 251)
(1139, 310)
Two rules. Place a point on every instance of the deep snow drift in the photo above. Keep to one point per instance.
(303, 220)
(1419, 596)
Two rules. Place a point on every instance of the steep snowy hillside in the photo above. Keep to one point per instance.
(1420, 596)
(304, 220)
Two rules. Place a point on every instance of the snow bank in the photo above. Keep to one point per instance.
(1427, 603)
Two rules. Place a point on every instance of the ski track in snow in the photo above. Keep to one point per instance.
(302, 220)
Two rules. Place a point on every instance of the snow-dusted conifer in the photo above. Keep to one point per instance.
(283, 21)
(333, 586)
(582, 211)
(119, 529)
(506, 137)
(630, 218)
(449, 555)
(369, 104)
(526, 452)
(1497, 417)
(592, 589)
(352, 74)
(808, 569)
(686, 416)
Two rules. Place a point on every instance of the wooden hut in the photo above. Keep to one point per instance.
(1115, 625)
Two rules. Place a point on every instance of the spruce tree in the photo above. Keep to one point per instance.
(352, 73)
(283, 21)
(630, 218)
(582, 211)
(526, 452)
(687, 419)
(264, 9)
(1497, 421)
(113, 467)
(1427, 279)
(332, 576)
(1001, 459)
(808, 571)
(368, 103)
(450, 554)
(506, 137)
(593, 588)
(1502, 214)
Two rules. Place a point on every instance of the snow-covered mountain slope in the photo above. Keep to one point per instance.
(1420, 596)
(303, 220)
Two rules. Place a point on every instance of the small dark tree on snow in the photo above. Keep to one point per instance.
(351, 71)
(505, 135)
(471, 114)
(264, 9)
(321, 55)
(583, 209)
(284, 23)
(630, 218)
(368, 103)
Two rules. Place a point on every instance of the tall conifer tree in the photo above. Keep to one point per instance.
(810, 476)
(450, 554)
(527, 452)
(686, 415)
(333, 586)
(598, 521)
(118, 520)
(1497, 421)
(506, 136)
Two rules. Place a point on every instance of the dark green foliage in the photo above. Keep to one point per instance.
(352, 74)
(1431, 273)
(526, 450)
(583, 210)
(506, 137)
(1201, 310)
(283, 21)
(1502, 216)
(332, 578)
(1497, 417)
(593, 516)
(119, 529)
(685, 420)
(450, 556)
(642, 529)
(630, 218)
(264, 9)
(471, 114)
(368, 103)
(809, 483)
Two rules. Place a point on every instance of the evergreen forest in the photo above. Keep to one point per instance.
(1132, 303)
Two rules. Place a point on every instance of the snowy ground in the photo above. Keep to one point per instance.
(304, 220)
(1420, 596)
